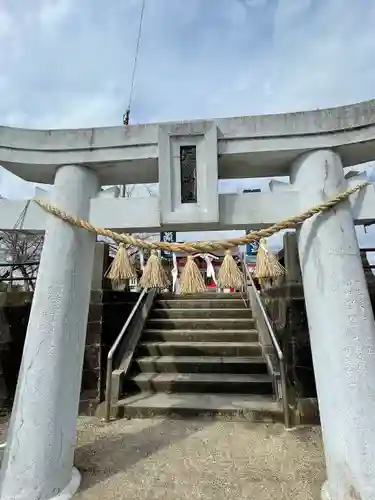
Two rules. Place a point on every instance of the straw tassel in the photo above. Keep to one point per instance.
(230, 276)
(267, 266)
(191, 278)
(154, 275)
(121, 268)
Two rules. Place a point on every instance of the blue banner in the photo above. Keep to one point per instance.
(252, 248)
(168, 237)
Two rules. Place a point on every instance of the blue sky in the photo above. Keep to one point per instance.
(67, 63)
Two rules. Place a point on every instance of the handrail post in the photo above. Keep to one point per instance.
(284, 391)
(108, 390)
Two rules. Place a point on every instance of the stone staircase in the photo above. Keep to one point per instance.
(199, 355)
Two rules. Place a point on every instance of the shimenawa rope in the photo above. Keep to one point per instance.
(200, 246)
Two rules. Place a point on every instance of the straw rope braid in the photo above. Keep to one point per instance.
(201, 246)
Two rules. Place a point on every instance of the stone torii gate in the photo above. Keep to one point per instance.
(311, 148)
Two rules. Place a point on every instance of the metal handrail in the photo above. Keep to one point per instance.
(276, 345)
(112, 351)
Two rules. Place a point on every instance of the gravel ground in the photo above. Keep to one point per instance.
(164, 459)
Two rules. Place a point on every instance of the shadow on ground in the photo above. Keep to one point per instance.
(109, 453)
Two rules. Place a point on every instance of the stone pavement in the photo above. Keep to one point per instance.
(164, 459)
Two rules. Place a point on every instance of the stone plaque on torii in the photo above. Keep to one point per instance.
(311, 148)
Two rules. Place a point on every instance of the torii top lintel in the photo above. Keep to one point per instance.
(250, 146)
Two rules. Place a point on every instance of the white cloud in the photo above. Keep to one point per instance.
(207, 59)
(53, 12)
(5, 23)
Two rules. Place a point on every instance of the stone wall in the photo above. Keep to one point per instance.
(14, 316)
(285, 303)
(107, 314)
(286, 307)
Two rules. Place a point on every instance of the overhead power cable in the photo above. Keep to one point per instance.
(126, 116)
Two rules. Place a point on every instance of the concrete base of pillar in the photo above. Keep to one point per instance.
(68, 492)
(325, 494)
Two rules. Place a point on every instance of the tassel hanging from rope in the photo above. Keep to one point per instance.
(191, 278)
(154, 275)
(121, 268)
(230, 276)
(267, 266)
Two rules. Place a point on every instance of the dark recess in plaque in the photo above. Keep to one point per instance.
(188, 166)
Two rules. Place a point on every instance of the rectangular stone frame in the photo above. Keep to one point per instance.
(203, 135)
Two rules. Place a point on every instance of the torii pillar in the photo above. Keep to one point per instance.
(38, 461)
(342, 329)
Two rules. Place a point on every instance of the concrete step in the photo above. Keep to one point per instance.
(199, 349)
(228, 383)
(201, 364)
(170, 335)
(219, 406)
(209, 313)
(200, 296)
(200, 323)
(189, 303)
